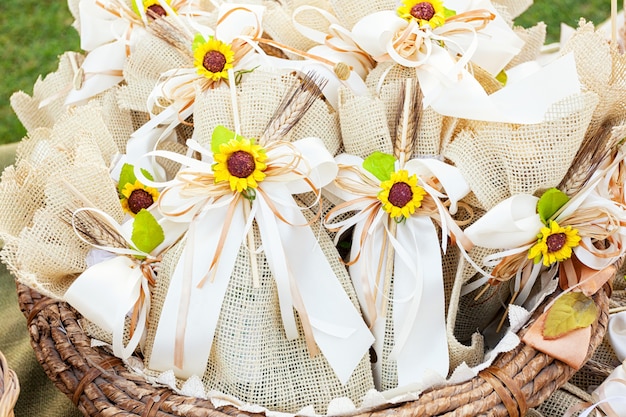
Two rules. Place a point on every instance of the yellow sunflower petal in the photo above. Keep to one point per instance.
(541, 249)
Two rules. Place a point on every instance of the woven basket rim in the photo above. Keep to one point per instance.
(98, 383)
(9, 388)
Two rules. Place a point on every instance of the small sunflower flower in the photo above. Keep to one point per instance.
(213, 59)
(428, 12)
(152, 8)
(554, 244)
(240, 162)
(401, 195)
(137, 196)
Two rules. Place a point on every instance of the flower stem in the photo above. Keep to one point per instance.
(254, 267)
(389, 264)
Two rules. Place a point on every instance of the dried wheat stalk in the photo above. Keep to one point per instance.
(407, 120)
(595, 150)
(88, 224)
(294, 105)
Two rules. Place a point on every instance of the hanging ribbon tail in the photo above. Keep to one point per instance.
(421, 345)
(570, 349)
(105, 293)
(190, 314)
(101, 70)
(338, 328)
(365, 271)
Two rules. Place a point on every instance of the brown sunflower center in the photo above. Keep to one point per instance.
(400, 194)
(156, 10)
(214, 61)
(556, 241)
(423, 10)
(139, 199)
(240, 164)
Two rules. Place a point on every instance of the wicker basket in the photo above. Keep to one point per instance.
(100, 385)
(9, 388)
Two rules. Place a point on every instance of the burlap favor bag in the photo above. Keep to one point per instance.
(397, 294)
(223, 309)
(47, 103)
(41, 248)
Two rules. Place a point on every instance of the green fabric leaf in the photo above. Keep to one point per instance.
(127, 175)
(448, 12)
(502, 77)
(222, 135)
(549, 203)
(147, 232)
(381, 165)
(133, 4)
(569, 312)
(197, 41)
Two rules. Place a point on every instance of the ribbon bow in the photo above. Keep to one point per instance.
(116, 283)
(418, 300)
(442, 59)
(219, 221)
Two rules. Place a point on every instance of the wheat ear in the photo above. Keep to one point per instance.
(293, 106)
(407, 121)
(88, 224)
(595, 149)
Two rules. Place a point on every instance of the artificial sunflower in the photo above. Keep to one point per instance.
(152, 8)
(554, 244)
(400, 194)
(240, 162)
(213, 58)
(136, 196)
(428, 12)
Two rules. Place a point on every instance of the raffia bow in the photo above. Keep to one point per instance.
(117, 283)
(221, 219)
(410, 251)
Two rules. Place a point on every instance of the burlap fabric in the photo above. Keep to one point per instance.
(47, 103)
(39, 397)
(368, 125)
(151, 57)
(277, 23)
(258, 97)
(251, 358)
(250, 325)
(41, 248)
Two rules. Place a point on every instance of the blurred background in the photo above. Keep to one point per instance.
(33, 33)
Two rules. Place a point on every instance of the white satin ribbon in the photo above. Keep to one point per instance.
(420, 343)
(179, 86)
(297, 263)
(513, 225)
(418, 309)
(610, 396)
(321, 60)
(106, 292)
(445, 82)
(107, 38)
(616, 334)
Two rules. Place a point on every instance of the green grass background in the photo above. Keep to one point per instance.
(33, 33)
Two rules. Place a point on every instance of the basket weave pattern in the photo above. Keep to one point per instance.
(9, 388)
(100, 385)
